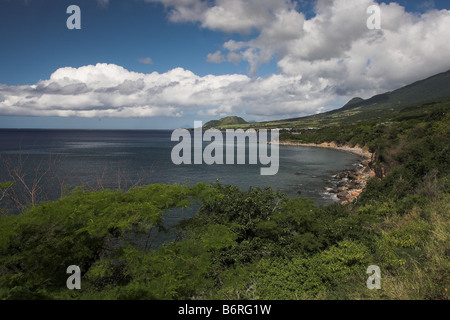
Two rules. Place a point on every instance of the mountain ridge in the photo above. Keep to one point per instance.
(421, 91)
(433, 89)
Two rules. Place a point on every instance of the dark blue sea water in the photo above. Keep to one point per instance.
(121, 158)
(113, 158)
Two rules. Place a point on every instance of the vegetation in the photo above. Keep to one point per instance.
(254, 244)
(376, 109)
(233, 120)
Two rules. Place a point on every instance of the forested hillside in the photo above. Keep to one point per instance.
(254, 244)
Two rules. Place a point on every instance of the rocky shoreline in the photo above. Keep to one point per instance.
(351, 182)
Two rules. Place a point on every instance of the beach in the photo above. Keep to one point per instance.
(351, 182)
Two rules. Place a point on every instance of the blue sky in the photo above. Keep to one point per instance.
(122, 32)
(259, 71)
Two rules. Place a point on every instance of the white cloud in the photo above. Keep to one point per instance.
(108, 90)
(238, 16)
(321, 60)
(216, 57)
(183, 10)
(335, 44)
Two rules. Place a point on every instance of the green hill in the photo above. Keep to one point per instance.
(433, 89)
(382, 106)
(228, 121)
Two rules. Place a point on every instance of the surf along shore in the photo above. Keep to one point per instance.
(351, 182)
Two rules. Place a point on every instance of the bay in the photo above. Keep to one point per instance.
(122, 157)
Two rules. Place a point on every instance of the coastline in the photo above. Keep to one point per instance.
(351, 182)
(329, 145)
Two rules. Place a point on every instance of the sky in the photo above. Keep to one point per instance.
(162, 64)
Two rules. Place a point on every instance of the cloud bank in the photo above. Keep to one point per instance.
(329, 57)
(108, 90)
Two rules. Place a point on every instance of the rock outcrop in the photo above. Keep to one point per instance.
(353, 181)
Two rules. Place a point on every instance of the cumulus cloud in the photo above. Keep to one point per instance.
(216, 57)
(108, 90)
(334, 44)
(183, 10)
(329, 57)
(337, 45)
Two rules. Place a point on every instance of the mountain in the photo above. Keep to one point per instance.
(228, 121)
(353, 102)
(432, 89)
(382, 106)
(435, 87)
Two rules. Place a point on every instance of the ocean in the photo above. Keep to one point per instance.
(53, 160)
(122, 158)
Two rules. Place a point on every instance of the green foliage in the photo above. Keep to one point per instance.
(38, 245)
(380, 108)
(253, 244)
(302, 278)
(227, 121)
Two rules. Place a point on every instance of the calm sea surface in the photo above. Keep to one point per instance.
(120, 158)
(113, 157)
